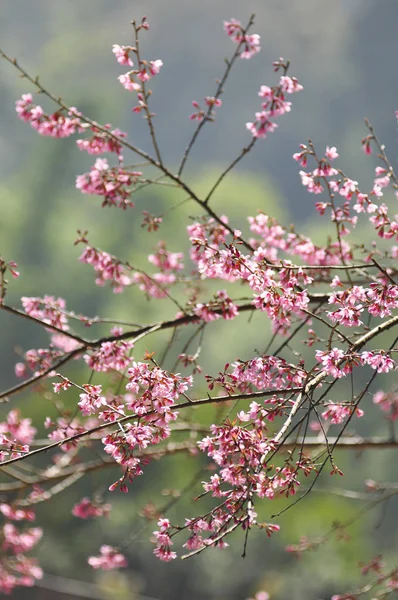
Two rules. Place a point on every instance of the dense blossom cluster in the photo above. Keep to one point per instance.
(274, 103)
(329, 306)
(108, 268)
(388, 402)
(109, 558)
(278, 293)
(87, 509)
(16, 568)
(48, 310)
(249, 44)
(57, 125)
(113, 183)
(102, 142)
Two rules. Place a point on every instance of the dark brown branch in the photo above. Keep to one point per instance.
(127, 418)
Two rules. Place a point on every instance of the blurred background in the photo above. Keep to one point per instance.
(344, 53)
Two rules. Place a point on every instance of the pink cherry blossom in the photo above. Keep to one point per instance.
(87, 509)
(114, 184)
(110, 558)
(122, 54)
(58, 125)
(388, 402)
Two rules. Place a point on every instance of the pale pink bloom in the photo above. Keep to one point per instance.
(20, 429)
(379, 361)
(164, 524)
(110, 356)
(122, 54)
(155, 66)
(331, 153)
(20, 370)
(110, 558)
(388, 402)
(337, 413)
(165, 260)
(290, 85)
(86, 509)
(128, 83)
(64, 343)
(114, 184)
(62, 386)
(380, 170)
(92, 400)
(233, 29)
(15, 513)
(251, 45)
(47, 309)
(165, 554)
(348, 188)
(100, 142)
(58, 125)
(336, 282)
(262, 126)
(332, 362)
(20, 542)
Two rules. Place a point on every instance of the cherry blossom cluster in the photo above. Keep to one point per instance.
(109, 558)
(249, 44)
(166, 261)
(380, 301)
(169, 265)
(132, 80)
(221, 306)
(238, 449)
(37, 361)
(153, 286)
(388, 402)
(146, 72)
(48, 310)
(338, 363)
(325, 177)
(337, 413)
(259, 373)
(88, 509)
(52, 312)
(16, 435)
(17, 569)
(274, 103)
(57, 125)
(200, 114)
(108, 268)
(101, 142)
(277, 240)
(278, 294)
(110, 356)
(336, 289)
(64, 428)
(151, 396)
(163, 541)
(158, 392)
(115, 184)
